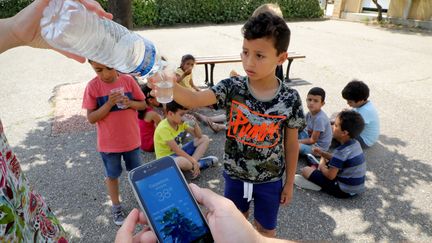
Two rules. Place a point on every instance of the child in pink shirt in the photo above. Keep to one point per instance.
(148, 120)
(114, 113)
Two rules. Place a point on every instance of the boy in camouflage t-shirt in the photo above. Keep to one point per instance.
(263, 116)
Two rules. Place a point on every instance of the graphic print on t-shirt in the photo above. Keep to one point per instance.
(253, 128)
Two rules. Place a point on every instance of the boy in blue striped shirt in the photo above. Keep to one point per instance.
(343, 173)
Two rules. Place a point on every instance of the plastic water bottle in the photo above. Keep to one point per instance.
(69, 26)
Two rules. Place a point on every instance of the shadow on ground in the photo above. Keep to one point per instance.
(67, 170)
(377, 212)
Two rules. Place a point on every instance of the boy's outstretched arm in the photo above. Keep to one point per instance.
(191, 99)
(291, 151)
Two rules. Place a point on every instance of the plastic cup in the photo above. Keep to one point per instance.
(119, 90)
(163, 80)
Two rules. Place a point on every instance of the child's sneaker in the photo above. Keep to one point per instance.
(304, 183)
(118, 215)
(208, 161)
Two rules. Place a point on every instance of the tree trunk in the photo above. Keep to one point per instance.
(122, 11)
(379, 10)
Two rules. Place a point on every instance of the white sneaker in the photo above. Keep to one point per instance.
(302, 182)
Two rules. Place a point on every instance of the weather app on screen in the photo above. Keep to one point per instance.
(173, 212)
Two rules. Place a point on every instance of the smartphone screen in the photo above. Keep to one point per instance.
(165, 197)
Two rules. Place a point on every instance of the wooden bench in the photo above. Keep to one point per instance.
(213, 60)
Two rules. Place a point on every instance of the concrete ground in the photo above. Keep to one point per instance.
(65, 168)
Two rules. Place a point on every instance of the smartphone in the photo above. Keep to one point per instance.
(165, 198)
(312, 159)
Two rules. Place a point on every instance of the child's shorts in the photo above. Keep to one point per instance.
(112, 162)
(266, 198)
(329, 186)
(189, 148)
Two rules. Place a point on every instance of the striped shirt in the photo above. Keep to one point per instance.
(350, 161)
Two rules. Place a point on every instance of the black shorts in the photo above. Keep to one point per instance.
(329, 186)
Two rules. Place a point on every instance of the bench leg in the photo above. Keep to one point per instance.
(211, 74)
(206, 75)
(287, 78)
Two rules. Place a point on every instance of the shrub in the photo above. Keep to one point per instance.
(171, 12)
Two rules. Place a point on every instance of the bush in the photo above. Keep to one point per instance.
(171, 12)
(9, 8)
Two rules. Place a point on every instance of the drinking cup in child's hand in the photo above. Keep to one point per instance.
(119, 101)
(189, 119)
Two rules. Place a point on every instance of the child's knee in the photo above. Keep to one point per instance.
(204, 139)
(307, 171)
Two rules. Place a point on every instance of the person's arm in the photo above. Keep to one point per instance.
(329, 172)
(195, 130)
(155, 117)
(180, 152)
(319, 152)
(312, 139)
(23, 29)
(191, 99)
(291, 151)
(134, 104)
(94, 116)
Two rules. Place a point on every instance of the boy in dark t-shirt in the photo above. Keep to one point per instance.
(263, 118)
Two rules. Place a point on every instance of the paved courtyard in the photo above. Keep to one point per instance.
(40, 108)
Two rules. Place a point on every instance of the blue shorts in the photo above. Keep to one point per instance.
(329, 186)
(189, 148)
(112, 162)
(266, 198)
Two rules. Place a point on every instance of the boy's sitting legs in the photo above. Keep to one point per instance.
(196, 149)
(330, 186)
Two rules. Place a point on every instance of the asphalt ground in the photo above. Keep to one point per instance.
(396, 64)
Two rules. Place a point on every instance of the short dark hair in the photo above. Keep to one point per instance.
(146, 90)
(267, 25)
(356, 90)
(173, 107)
(317, 91)
(352, 122)
(186, 58)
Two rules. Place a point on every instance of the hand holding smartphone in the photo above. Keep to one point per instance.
(165, 198)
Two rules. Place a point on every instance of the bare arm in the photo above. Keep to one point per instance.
(291, 151)
(94, 116)
(195, 130)
(134, 104)
(321, 153)
(191, 99)
(155, 117)
(312, 139)
(329, 172)
(23, 29)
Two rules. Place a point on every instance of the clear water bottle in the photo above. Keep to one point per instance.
(69, 26)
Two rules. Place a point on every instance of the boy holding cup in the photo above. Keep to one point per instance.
(111, 100)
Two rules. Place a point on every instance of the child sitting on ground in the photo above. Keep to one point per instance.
(148, 120)
(318, 131)
(184, 72)
(118, 135)
(169, 136)
(343, 173)
(356, 93)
